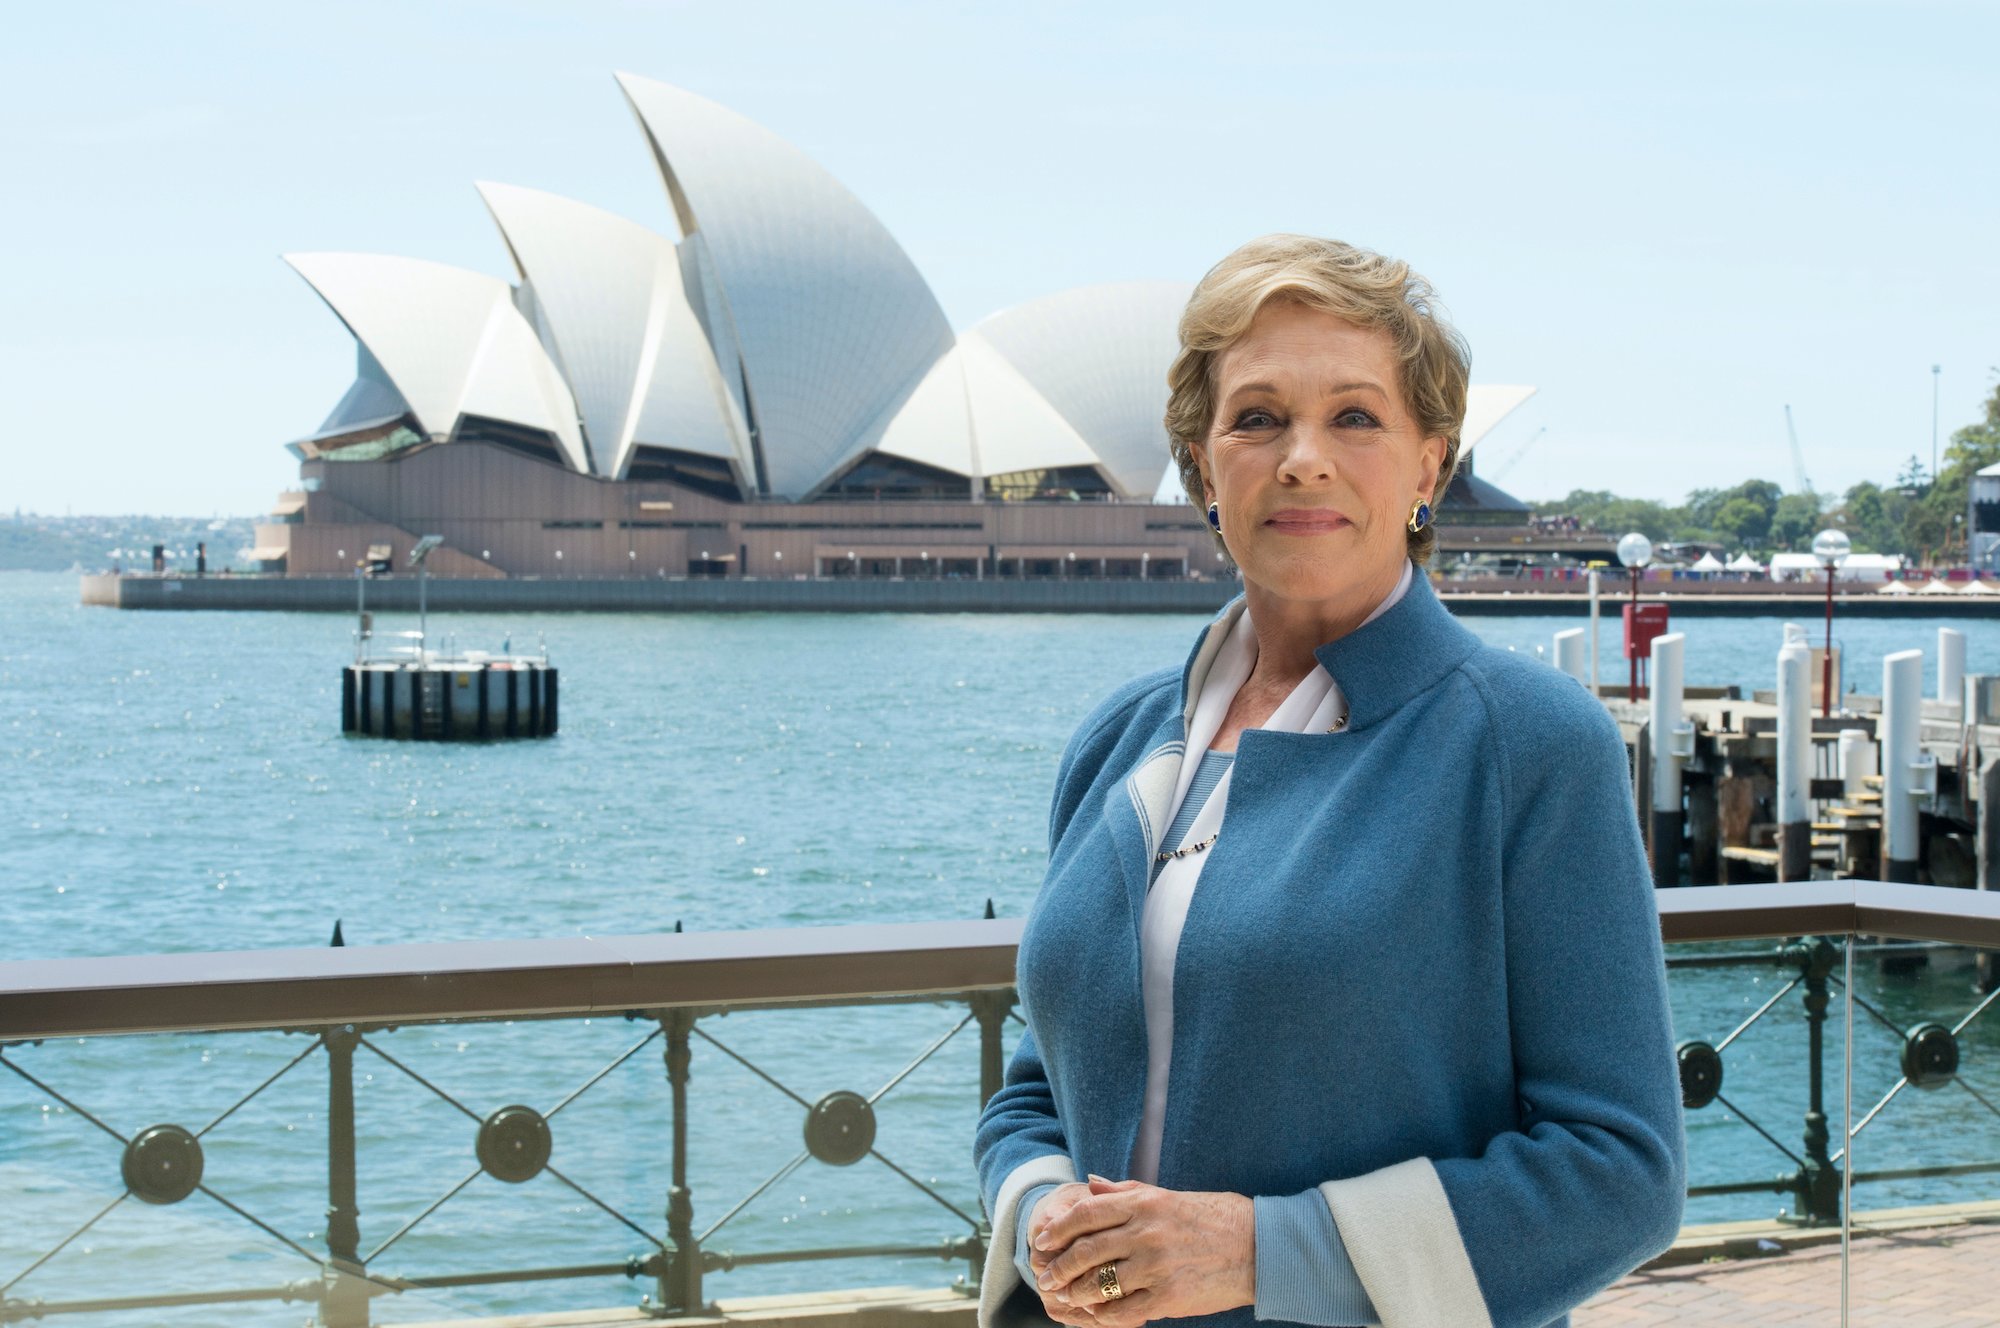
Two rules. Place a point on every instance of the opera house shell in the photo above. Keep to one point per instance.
(776, 382)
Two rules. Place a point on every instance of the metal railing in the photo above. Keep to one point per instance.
(349, 1001)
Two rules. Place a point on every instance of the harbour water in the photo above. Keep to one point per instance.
(178, 782)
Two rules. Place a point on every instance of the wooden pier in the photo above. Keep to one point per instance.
(1731, 828)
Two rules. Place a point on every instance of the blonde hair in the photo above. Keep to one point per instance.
(1353, 284)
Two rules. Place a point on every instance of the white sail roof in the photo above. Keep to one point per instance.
(786, 332)
(609, 296)
(1099, 355)
(1485, 406)
(451, 342)
(833, 324)
(975, 415)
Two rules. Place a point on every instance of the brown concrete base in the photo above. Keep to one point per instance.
(947, 1307)
(1740, 1240)
(873, 1307)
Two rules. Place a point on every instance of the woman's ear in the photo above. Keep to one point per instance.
(1434, 452)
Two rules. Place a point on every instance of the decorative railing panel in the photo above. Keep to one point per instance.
(635, 1117)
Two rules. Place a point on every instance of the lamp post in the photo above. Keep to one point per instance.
(1830, 547)
(1635, 551)
(1936, 371)
(420, 556)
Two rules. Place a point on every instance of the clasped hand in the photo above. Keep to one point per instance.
(1178, 1252)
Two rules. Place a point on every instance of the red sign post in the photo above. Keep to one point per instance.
(1643, 622)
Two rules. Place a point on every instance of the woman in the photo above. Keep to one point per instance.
(1404, 1057)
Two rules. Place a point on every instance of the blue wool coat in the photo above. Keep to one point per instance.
(1421, 976)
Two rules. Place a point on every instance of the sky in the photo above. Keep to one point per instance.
(1673, 220)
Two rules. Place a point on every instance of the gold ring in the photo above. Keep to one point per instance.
(1107, 1282)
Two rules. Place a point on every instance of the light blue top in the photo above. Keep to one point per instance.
(1421, 987)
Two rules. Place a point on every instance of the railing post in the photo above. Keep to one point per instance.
(1902, 755)
(1951, 666)
(1569, 654)
(1818, 1181)
(1794, 761)
(1673, 743)
(990, 1008)
(346, 1300)
(680, 1282)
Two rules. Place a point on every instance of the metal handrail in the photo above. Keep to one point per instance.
(455, 980)
(42, 998)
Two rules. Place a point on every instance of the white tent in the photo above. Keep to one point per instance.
(1894, 588)
(1977, 588)
(1705, 564)
(1857, 567)
(1936, 587)
(1743, 562)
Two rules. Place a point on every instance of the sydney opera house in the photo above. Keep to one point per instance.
(774, 392)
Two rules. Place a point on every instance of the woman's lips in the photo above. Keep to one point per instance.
(1306, 521)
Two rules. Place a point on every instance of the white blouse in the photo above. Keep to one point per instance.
(1315, 705)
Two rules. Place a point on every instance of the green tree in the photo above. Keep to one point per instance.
(1614, 515)
(1863, 516)
(1795, 521)
(1743, 522)
(1936, 520)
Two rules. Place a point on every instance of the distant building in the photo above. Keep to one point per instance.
(774, 393)
(1982, 520)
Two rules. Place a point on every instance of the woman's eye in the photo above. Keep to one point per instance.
(1256, 419)
(1356, 418)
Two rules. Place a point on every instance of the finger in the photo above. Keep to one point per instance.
(1098, 1212)
(1059, 1201)
(1128, 1311)
(1134, 1272)
(1079, 1316)
(1081, 1260)
(1099, 1185)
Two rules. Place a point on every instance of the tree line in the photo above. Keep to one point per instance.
(1915, 514)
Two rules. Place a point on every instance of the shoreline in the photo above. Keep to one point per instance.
(1091, 595)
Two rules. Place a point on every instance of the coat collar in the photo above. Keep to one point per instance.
(1379, 665)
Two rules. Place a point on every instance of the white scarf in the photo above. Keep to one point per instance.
(1313, 706)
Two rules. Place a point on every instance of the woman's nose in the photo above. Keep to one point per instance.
(1308, 455)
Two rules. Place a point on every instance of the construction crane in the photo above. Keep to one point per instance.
(1798, 457)
(1509, 461)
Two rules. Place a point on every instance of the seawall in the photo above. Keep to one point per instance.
(746, 595)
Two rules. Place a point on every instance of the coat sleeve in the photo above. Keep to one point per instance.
(1593, 1181)
(1019, 1143)
(1018, 1147)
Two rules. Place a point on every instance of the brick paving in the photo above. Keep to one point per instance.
(1940, 1277)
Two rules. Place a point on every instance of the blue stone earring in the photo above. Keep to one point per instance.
(1420, 516)
(1215, 518)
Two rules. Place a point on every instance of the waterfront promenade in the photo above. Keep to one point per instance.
(1937, 1268)
(1082, 594)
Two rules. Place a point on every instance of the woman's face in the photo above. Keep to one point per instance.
(1312, 457)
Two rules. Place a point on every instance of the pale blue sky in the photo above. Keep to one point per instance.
(1673, 219)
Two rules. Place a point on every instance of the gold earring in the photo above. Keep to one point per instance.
(1420, 516)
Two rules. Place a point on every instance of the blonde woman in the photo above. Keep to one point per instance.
(1344, 991)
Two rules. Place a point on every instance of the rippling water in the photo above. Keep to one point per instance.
(178, 782)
